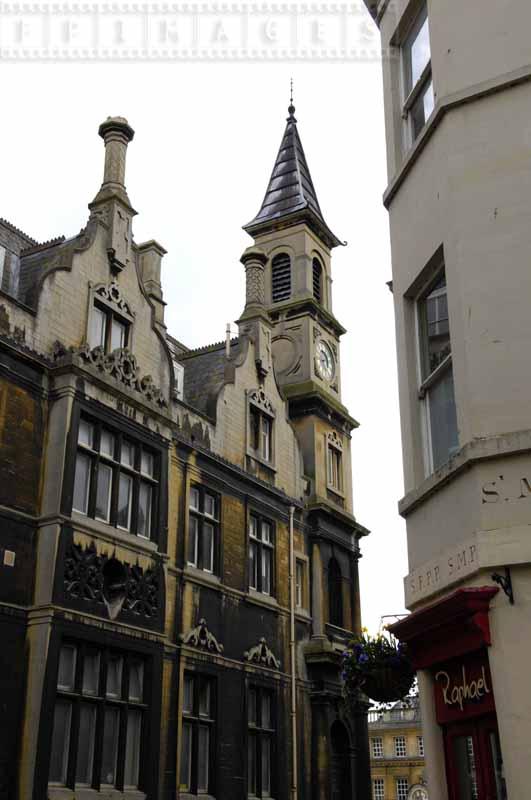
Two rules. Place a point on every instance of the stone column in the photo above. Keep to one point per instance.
(254, 260)
(116, 133)
(317, 593)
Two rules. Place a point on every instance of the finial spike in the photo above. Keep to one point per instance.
(291, 107)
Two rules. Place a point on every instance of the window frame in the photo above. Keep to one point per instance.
(78, 698)
(428, 380)
(420, 746)
(196, 720)
(103, 419)
(318, 281)
(285, 293)
(259, 732)
(203, 519)
(261, 545)
(396, 747)
(265, 417)
(111, 316)
(301, 562)
(400, 779)
(381, 785)
(378, 739)
(414, 93)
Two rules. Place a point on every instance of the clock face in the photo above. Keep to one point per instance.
(418, 793)
(324, 361)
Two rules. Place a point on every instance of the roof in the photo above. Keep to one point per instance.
(204, 374)
(290, 193)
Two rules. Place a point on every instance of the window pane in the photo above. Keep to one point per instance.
(266, 766)
(60, 742)
(107, 444)
(136, 681)
(192, 541)
(85, 434)
(127, 455)
(266, 710)
(67, 668)
(147, 463)
(253, 565)
(443, 419)
(97, 328)
(114, 676)
(267, 562)
(428, 100)
(251, 711)
(251, 763)
(118, 334)
(266, 532)
(254, 423)
(81, 483)
(85, 747)
(266, 439)
(123, 518)
(208, 547)
(91, 672)
(132, 748)
(210, 505)
(298, 583)
(203, 743)
(103, 492)
(186, 757)
(188, 694)
(253, 528)
(144, 510)
(419, 52)
(204, 698)
(110, 746)
(434, 327)
(194, 499)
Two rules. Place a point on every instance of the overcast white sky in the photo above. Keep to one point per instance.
(206, 138)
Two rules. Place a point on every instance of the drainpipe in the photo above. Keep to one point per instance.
(294, 771)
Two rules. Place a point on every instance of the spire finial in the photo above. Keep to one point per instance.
(291, 107)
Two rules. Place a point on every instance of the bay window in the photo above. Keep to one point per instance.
(98, 719)
(419, 99)
(116, 479)
(203, 529)
(260, 739)
(436, 391)
(261, 554)
(197, 740)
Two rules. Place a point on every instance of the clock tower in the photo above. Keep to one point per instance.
(295, 244)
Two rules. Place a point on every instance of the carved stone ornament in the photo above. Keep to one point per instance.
(259, 398)
(262, 655)
(116, 585)
(334, 440)
(113, 294)
(120, 364)
(201, 638)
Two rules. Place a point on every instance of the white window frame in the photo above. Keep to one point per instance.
(397, 743)
(412, 94)
(402, 785)
(375, 748)
(420, 746)
(426, 383)
(378, 788)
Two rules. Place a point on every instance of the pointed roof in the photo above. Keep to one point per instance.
(291, 195)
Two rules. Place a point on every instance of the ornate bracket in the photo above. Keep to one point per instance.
(201, 638)
(334, 440)
(112, 294)
(261, 654)
(506, 583)
(260, 399)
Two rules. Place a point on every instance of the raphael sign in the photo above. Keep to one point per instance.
(463, 689)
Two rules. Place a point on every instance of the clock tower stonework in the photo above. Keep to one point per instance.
(295, 245)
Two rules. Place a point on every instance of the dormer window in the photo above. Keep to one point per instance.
(281, 278)
(317, 277)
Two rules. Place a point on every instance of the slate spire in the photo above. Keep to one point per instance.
(290, 196)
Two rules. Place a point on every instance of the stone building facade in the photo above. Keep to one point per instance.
(457, 90)
(179, 555)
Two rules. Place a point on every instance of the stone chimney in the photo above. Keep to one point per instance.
(150, 255)
(116, 133)
(254, 324)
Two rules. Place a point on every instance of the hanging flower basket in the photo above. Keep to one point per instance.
(378, 666)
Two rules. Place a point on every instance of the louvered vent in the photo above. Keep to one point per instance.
(317, 280)
(281, 278)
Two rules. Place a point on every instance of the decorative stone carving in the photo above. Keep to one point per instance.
(120, 364)
(262, 655)
(113, 295)
(116, 585)
(334, 440)
(201, 638)
(260, 399)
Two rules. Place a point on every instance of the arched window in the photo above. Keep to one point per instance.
(335, 593)
(281, 278)
(317, 274)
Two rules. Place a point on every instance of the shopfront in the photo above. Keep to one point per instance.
(450, 640)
